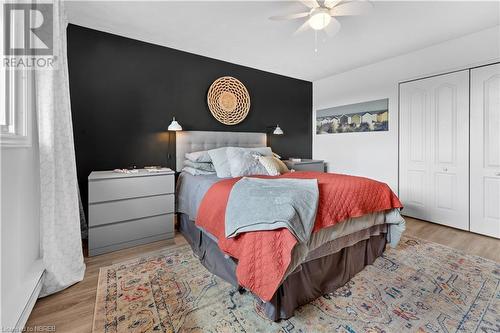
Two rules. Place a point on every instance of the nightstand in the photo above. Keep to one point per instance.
(129, 209)
(306, 165)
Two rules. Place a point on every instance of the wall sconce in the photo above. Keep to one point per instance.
(278, 130)
(174, 126)
(273, 130)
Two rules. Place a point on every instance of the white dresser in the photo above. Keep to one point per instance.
(129, 209)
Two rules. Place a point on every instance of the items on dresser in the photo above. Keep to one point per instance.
(305, 165)
(158, 170)
(128, 209)
(155, 167)
(126, 171)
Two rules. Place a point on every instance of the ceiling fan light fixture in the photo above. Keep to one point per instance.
(319, 18)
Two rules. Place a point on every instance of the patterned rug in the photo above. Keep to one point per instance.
(418, 287)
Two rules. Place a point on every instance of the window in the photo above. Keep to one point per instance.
(4, 120)
(14, 118)
(15, 100)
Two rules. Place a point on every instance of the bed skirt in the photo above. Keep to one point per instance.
(314, 278)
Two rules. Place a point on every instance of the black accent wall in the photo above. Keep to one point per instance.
(125, 92)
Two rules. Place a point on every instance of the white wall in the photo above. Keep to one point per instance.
(21, 267)
(375, 154)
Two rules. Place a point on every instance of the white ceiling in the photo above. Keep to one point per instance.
(240, 32)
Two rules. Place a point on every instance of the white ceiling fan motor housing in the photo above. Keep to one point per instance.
(319, 18)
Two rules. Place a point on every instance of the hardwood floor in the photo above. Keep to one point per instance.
(468, 242)
(72, 310)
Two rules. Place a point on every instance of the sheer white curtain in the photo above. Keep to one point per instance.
(61, 244)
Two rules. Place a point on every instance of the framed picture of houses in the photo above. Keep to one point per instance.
(372, 116)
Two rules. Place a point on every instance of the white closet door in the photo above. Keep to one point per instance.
(485, 150)
(414, 150)
(434, 154)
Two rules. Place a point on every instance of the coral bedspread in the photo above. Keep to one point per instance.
(263, 256)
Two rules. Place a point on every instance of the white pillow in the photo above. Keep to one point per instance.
(221, 162)
(245, 162)
(198, 156)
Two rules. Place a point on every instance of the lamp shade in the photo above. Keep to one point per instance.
(278, 130)
(174, 126)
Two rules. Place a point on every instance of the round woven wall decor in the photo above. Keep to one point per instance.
(228, 100)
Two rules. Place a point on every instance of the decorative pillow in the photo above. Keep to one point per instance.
(203, 166)
(273, 165)
(221, 161)
(245, 162)
(198, 156)
(196, 172)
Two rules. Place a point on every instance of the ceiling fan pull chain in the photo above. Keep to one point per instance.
(316, 41)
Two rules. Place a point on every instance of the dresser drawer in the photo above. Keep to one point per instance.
(128, 209)
(129, 187)
(113, 234)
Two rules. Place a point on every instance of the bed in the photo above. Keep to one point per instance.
(334, 255)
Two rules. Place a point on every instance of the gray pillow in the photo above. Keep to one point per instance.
(264, 151)
(198, 156)
(245, 162)
(204, 166)
(196, 172)
(220, 161)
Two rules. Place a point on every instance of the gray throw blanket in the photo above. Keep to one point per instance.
(267, 204)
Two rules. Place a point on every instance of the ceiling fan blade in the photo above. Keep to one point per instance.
(302, 28)
(289, 17)
(351, 8)
(332, 28)
(310, 3)
(332, 3)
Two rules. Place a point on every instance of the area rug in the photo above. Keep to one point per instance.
(417, 287)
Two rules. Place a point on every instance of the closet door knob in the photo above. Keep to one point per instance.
(497, 173)
(445, 169)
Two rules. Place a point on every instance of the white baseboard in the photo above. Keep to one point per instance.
(23, 318)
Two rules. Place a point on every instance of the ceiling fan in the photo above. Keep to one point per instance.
(321, 15)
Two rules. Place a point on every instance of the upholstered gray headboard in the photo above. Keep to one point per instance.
(190, 141)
